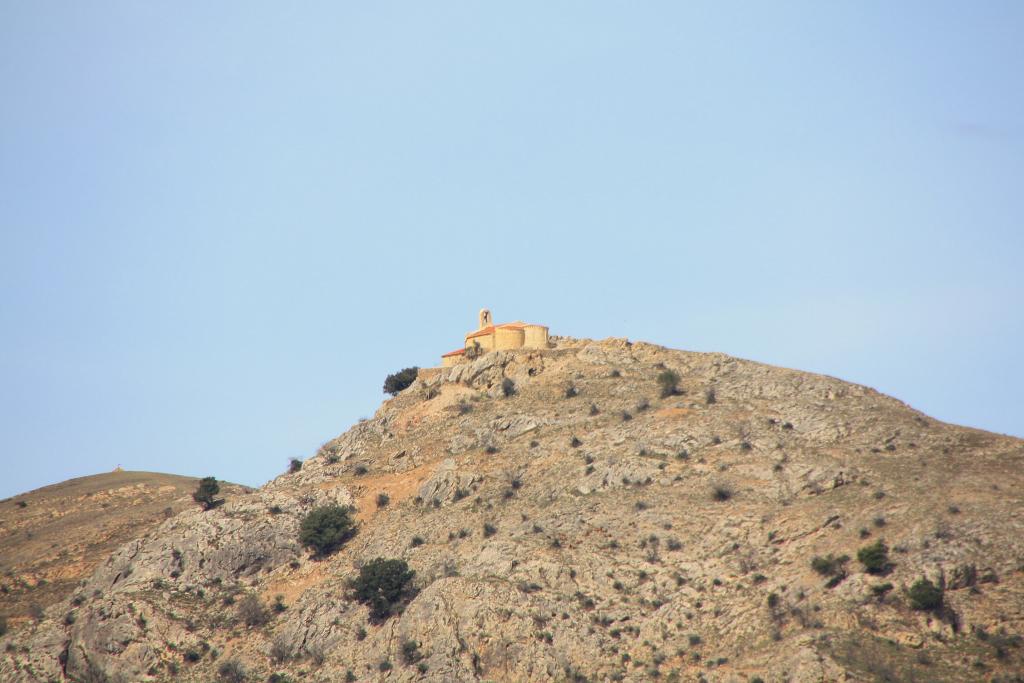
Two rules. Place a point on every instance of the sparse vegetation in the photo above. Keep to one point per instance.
(508, 388)
(830, 565)
(668, 381)
(396, 382)
(874, 557)
(294, 465)
(721, 492)
(411, 652)
(206, 493)
(382, 585)
(325, 529)
(252, 612)
(924, 595)
(382, 500)
(232, 671)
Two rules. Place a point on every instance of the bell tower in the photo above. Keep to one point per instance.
(485, 318)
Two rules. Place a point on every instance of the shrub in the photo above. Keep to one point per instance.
(615, 373)
(411, 652)
(874, 557)
(594, 410)
(400, 380)
(192, 655)
(205, 494)
(3, 626)
(669, 383)
(360, 470)
(575, 442)
(279, 605)
(252, 611)
(881, 589)
(830, 565)
(294, 465)
(382, 500)
(721, 492)
(489, 529)
(571, 391)
(925, 595)
(508, 387)
(416, 541)
(232, 671)
(23, 504)
(710, 397)
(382, 585)
(385, 665)
(325, 529)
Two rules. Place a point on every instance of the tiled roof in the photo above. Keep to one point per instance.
(456, 352)
(490, 329)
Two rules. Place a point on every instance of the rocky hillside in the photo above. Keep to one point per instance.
(55, 536)
(570, 517)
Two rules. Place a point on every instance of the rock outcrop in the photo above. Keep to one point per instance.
(566, 521)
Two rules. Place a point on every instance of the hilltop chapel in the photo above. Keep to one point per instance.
(491, 337)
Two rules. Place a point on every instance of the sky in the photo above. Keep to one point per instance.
(223, 224)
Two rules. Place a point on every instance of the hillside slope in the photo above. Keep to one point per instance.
(572, 524)
(55, 536)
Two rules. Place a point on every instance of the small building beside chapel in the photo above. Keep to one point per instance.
(491, 337)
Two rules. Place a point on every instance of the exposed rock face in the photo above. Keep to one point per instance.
(55, 536)
(601, 534)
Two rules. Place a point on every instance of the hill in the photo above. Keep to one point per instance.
(603, 510)
(53, 537)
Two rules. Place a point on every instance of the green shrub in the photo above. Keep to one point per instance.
(489, 530)
(382, 585)
(925, 595)
(669, 383)
(400, 380)
(206, 493)
(382, 500)
(874, 557)
(294, 465)
(3, 626)
(325, 529)
(830, 565)
(411, 652)
(721, 492)
(571, 391)
(508, 387)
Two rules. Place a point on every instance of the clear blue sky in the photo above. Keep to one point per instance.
(222, 224)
